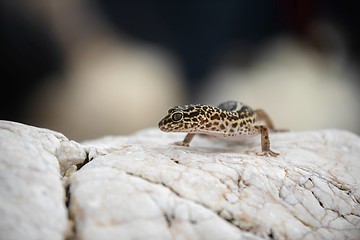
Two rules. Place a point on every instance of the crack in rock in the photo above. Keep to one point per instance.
(170, 211)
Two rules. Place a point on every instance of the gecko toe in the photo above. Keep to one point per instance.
(183, 144)
(268, 153)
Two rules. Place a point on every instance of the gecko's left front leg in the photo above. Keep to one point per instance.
(186, 140)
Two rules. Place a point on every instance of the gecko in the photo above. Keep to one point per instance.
(230, 120)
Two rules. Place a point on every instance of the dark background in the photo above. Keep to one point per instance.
(196, 31)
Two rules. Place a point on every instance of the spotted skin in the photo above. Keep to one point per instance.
(230, 120)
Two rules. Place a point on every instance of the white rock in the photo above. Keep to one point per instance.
(118, 205)
(32, 199)
(290, 195)
(143, 187)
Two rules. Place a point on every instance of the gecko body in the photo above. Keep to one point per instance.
(230, 120)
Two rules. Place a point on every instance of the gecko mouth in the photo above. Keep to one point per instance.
(162, 125)
(167, 129)
(164, 129)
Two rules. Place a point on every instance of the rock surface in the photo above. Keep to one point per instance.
(143, 187)
(32, 197)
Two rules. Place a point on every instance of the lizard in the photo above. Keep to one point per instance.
(230, 120)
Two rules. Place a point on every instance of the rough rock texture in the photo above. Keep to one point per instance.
(143, 187)
(32, 199)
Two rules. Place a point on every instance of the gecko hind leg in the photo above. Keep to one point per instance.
(265, 141)
(263, 116)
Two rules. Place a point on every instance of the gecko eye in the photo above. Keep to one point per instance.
(176, 116)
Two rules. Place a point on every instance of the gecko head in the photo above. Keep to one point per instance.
(181, 119)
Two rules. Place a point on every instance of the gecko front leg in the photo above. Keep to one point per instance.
(186, 140)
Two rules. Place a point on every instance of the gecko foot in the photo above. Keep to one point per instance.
(183, 144)
(268, 153)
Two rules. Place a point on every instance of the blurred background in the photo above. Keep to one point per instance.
(90, 68)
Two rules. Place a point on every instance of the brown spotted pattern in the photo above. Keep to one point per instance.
(229, 119)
